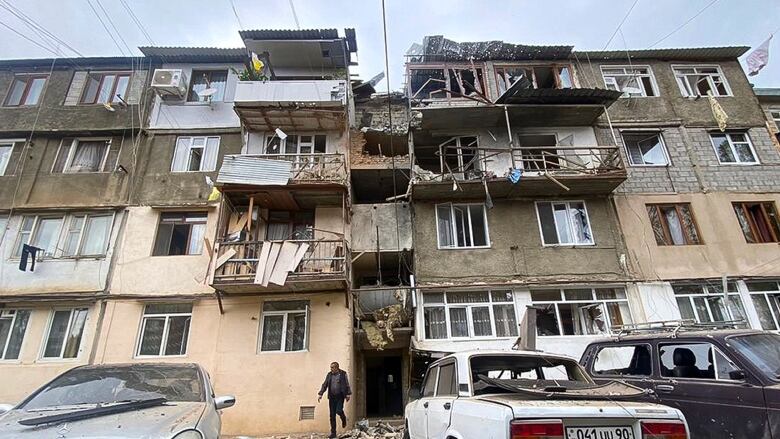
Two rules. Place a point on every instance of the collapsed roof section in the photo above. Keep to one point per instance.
(436, 48)
(312, 48)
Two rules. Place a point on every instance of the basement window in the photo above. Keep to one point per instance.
(462, 226)
(633, 81)
(82, 156)
(284, 326)
(165, 329)
(759, 221)
(195, 154)
(180, 233)
(63, 336)
(564, 223)
(580, 311)
(13, 324)
(673, 224)
(468, 314)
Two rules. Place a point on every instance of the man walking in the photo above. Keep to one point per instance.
(337, 384)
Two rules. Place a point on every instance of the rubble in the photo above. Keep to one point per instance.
(362, 430)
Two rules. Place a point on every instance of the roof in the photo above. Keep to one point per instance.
(767, 93)
(680, 54)
(71, 62)
(683, 334)
(195, 54)
(302, 35)
(583, 96)
(437, 48)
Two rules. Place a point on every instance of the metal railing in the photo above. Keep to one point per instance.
(674, 327)
(313, 167)
(324, 257)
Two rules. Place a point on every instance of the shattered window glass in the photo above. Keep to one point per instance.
(704, 303)
(700, 81)
(427, 83)
(564, 223)
(673, 224)
(759, 221)
(461, 226)
(578, 313)
(645, 149)
(633, 81)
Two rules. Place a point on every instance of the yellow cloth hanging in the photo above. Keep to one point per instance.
(215, 194)
(257, 65)
(719, 113)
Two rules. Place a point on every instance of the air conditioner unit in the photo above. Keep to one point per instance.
(170, 82)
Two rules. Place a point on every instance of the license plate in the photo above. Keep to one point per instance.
(599, 433)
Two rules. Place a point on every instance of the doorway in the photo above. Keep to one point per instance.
(384, 389)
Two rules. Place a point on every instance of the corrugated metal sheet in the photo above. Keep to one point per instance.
(680, 54)
(559, 96)
(436, 48)
(120, 62)
(289, 34)
(207, 54)
(248, 169)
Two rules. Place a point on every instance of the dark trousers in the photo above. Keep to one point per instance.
(336, 404)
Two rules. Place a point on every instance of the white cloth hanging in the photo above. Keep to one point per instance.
(758, 58)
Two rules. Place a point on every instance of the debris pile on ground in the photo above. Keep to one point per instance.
(381, 430)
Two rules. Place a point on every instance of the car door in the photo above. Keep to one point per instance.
(440, 406)
(695, 378)
(418, 428)
(630, 362)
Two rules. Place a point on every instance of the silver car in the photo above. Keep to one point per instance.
(171, 401)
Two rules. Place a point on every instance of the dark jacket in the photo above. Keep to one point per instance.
(340, 389)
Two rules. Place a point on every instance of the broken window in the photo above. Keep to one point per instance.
(180, 233)
(580, 311)
(82, 155)
(759, 221)
(705, 303)
(645, 149)
(296, 144)
(673, 224)
(694, 360)
(733, 148)
(284, 326)
(460, 156)
(285, 225)
(701, 81)
(427, 83)
(462, 225)
(766, 298)
(547, 76)
(467, 314)
(195, 154)
(6, 148)
(564, 223)
(466, 81)
(165, 329)
(633, 81)
(624, 361)
(66, 327)
(13, 324)
(535, 158)
(441, 83)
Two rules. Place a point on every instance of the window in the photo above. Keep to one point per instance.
(633, 81)
(580, 311)
(25, 90)
(284, 326)
(460, 154)
(84, 234)
(439, 83)
(165, 329)
(6, 149)
(430, 382)
(103, 88)
(462, 225)
(204, 80)
(13, 323)
(701, 81)
(82, 155)
(296, 144)
(180, 233)
(284, 225)
(564, 223)
(66, 328)
(673, 224)
(766, 299)
(759, 221)
(624, 360)
(694, 360)
(733, 148)
(447, 382)
(195, 154)
(462, 314)
(775, 117)
(761, 351)
(548, 76)
(705, 303)
(645, 149)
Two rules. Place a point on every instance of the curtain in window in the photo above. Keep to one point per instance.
(272, 333)
(151, 339)
(195, 245)
(480, 317)
(73, 341)
(296, 332)
(445, 226)
(675, 227)
(96, 235)
(277, 232)
(178, 330)
(435, 322)
(467, 297)
(580, 223)
(71, 247)
(459, 324)
(181, 154)
(46, 235)
(764, 312)
(5, 157)
(506, 323)
(88, 157)
(209, 162)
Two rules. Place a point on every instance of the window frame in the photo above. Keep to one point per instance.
(603, 302)
(649, 74)
(164, 341)
(774, 114)
(568, 203)
(737, 161)
(61, 236)
(713, 347)
(72, 151)
(500, 69)
(768, 297)
(706, 295)
(646, 165)
(454, 377)
(488, 243)
(210, 71)
(47, 334)
(752, 223)
(259, 347)
(5, 343)
(189, 153)
(113, 95)
(18, 244)
(5, 142)
(602, 347)
(469, 317)
(80, 246)
(189, 233)
(710, 81)
(268, 137)
(665, 224)
(480, 78)
(29, 78)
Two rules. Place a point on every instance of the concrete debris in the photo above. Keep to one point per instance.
(362, 430)
(374, 334)
(423, 174)
(389, 317)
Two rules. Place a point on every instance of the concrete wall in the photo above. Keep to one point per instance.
(516, 252)
(177, 114)
(391, 218)
(269, 387)
(724, 249)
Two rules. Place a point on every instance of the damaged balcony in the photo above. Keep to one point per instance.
(321, 169)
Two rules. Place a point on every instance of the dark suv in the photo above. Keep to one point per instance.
(726, 382)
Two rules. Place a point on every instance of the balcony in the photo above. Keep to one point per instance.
(283, 169)
(323, 266)
(544, 171)
(292, 105)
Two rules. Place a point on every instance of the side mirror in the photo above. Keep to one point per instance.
(223, 402)
(414, 393)
(737, 375)
(5, 407)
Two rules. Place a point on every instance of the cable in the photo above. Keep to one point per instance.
(106, 28)
(235, 12)
(35, 26)
(295, 16)
(28, 38)
(684, 24)
(137, 22)
(625, 17)
(111, 22)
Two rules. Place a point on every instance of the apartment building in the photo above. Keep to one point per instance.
(68, 129)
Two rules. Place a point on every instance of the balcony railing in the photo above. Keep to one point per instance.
(319, 92)
(264, 169)
(323, 259)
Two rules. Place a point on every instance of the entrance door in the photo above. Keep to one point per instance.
(384, 390)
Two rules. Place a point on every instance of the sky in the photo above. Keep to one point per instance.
(585, 24)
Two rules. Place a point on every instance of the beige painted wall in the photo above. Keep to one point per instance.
(724, 249)
(18, 378)
(269, 387)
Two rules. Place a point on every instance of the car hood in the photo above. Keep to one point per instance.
(162, 421)
(523, 408)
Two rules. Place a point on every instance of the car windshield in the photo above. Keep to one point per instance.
(763, 350)
(106, 385)
(526, 371)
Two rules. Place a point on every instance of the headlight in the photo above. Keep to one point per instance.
(189, 434)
